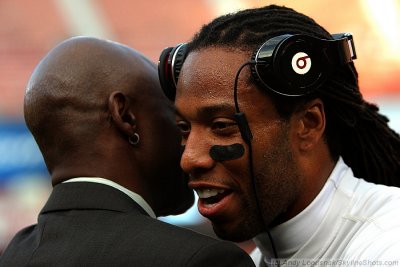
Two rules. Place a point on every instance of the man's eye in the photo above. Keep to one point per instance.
(222, 125)
(184, 127)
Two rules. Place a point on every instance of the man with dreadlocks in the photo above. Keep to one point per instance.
(279, 143)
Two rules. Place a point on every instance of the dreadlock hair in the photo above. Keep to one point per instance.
(355, 129)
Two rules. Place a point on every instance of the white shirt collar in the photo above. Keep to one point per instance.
(289, 236)
(136, 197)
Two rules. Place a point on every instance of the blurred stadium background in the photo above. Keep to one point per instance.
(31, 27)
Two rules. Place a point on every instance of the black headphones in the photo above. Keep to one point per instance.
(291, 65)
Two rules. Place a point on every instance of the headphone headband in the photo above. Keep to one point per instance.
(289, 64)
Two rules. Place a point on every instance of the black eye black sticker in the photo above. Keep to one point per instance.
(229, 152)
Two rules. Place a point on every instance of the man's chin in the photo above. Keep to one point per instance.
(234, 234)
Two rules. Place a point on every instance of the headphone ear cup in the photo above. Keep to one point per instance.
(298, 64)
(169, 68)
(289, 65)
(165, 74)
(178, 58)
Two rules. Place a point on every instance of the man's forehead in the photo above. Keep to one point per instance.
(217, 60)
(205, 77)
(205, 89)
(206, 81)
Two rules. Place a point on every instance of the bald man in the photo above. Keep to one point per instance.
(109, 139)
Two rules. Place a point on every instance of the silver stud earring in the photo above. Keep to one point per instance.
(134, 139)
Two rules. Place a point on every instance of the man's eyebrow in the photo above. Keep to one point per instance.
(208, 111)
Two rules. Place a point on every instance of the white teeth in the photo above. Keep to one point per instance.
(206, 193)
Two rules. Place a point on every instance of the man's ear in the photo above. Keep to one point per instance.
(312, 124)
(119, 107)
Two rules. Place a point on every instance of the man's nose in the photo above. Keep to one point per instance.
(196, 154)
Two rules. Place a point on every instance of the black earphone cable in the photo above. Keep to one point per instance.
(247, 137)
(235, 96)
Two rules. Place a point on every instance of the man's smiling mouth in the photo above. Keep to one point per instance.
(211, 196)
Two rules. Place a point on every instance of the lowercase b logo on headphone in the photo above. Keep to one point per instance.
(301, 63)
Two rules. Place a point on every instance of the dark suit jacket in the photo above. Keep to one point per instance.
(89, 224)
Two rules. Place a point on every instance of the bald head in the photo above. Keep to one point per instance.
(66, 98)
(79, 71)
